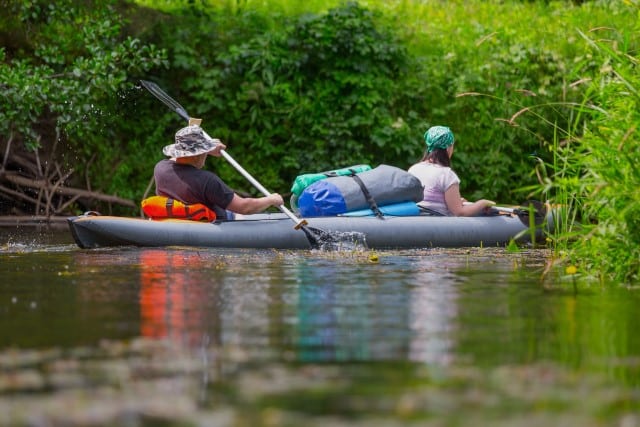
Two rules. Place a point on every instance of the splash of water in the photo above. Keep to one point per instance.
(342, 241)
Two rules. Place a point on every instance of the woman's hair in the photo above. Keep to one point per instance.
(438, 156)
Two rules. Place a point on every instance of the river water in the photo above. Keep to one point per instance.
(184, 336)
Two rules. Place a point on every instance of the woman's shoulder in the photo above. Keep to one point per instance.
(421, 165)
(451, 175)
(428, 165)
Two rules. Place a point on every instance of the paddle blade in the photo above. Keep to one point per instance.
(336, 240)
(535, 208)
(165, 98)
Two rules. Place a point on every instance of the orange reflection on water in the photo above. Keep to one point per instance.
(172, 296)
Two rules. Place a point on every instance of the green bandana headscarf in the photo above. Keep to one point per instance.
(438, 137)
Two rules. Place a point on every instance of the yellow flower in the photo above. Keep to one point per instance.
(373, 257)
(572, 269)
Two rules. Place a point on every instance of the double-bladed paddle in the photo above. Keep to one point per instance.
(318, 239)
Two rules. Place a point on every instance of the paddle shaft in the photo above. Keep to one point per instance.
(503, 209)
(513, 210)
(299, 222)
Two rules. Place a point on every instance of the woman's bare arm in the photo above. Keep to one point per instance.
(456, 204)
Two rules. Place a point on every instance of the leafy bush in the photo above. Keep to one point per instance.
(60, 68)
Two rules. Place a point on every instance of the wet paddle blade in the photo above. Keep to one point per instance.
(165, 98)
(336, 240)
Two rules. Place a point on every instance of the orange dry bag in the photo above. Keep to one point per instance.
(160, 207)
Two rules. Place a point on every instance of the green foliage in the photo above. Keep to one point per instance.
(496, 73)
(307, 92)
(349, 85)
(60, 70)
(330, 85)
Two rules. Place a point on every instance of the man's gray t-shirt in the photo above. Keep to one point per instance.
(192, 185)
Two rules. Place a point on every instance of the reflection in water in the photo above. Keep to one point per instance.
(173, 294)
(343, 315)
(435, 337)
(328, 313)
(433, 310)
(334, 309)
(429, 307)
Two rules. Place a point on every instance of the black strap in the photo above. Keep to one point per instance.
(169, 206)
(429, 211)
(372, 203)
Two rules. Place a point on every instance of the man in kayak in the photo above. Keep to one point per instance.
(182, 178)
(441, 184)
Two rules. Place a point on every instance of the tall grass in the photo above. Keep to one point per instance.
(596, 170)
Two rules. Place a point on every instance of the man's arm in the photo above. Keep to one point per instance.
(249, 205)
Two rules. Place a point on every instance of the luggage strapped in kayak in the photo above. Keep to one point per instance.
(371, 189)
(303, 181)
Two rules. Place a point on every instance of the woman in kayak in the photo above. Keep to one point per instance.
(441, 184)
(181, 177)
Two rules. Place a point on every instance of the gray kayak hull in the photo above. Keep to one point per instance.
(276, 231)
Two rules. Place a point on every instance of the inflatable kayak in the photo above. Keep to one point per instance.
(277, 231)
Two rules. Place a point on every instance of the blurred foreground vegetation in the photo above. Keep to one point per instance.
(542, 97)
